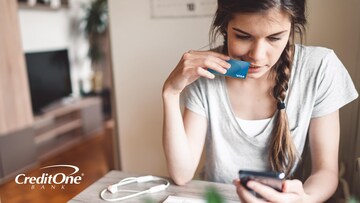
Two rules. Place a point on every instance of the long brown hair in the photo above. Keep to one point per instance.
(282, 151)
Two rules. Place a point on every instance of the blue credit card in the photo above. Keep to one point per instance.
(238, 69)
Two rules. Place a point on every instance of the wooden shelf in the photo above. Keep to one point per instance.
(58, 129)
(58, 145)
(41, 6)
(66, 108)
(64, 123)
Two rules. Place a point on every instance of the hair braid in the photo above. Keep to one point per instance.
(283, 153)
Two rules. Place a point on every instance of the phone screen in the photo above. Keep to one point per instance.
(271, 179)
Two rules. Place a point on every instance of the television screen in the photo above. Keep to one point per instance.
(49, 77)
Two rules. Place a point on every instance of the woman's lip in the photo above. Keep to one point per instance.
(253, 69)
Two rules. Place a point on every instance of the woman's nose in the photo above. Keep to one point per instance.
(258, 51)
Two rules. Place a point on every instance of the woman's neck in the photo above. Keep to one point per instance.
(251, 99)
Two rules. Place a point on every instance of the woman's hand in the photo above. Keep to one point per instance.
(194, 64)
(293, 192)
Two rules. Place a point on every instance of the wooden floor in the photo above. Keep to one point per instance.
(93, 157)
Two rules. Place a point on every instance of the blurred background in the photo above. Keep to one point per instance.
(81, 80)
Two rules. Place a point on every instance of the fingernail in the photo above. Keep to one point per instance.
(283, 188)
(250, 184)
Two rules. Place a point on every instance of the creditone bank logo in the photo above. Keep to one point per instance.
(54, 181)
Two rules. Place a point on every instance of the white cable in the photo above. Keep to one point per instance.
(114, 188)
(121, 198)
(127, 179)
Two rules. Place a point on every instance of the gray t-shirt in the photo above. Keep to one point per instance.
(319, 85)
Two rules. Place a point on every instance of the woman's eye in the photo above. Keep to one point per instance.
(274, 38)
(243, 37)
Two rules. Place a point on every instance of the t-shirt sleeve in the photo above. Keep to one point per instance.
(193, 98)
(334, 86)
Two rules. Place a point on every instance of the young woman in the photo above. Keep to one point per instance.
(261, 123)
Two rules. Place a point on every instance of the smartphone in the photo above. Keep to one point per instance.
(271, 179)
(238, 69)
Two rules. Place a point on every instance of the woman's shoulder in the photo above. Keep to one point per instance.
(315, 57)
(202, 81)
(314, 62)
(313, 52)
(207, 85)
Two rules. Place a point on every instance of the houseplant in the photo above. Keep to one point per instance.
(95, 26)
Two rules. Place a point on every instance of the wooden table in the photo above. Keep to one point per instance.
(194, 189)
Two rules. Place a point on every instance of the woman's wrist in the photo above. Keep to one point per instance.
(308, 198)
(170, 98)
(169, 92)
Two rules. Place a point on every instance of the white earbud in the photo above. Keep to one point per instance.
(112, 188)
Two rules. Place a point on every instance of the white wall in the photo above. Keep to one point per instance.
(337, 26)
(144, 51)
(43, 30)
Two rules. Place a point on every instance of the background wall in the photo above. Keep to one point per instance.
(39, 34)
(145, 50)
(337, 26)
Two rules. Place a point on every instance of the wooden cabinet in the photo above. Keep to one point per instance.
(66, 124)
(17, 152)
(51, 133)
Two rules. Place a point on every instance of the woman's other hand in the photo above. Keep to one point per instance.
(192, 65)
(293, 192)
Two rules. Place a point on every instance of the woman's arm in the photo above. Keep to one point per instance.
(324, 136)
(183, 136)
(182, 145)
